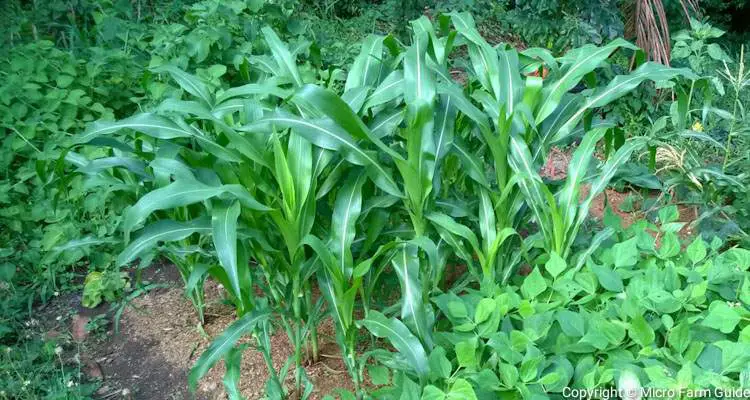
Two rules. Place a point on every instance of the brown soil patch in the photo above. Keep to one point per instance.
(160, 339)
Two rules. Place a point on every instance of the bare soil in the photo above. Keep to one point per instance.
(160, 339)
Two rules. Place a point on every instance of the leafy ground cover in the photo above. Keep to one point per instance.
(358, 200)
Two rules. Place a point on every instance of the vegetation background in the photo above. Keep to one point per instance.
(494, 293)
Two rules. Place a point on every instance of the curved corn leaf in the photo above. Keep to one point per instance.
(584, 60)
(472, 163)
(232, 364)
(453, 227)
(182, 193)
(346, 211)
(368, 64)
(150, 124)
(162, 231)
(329, 135)
(98, 165)
(335, 108)
(577, 168)
(224, 225)
(391, 88)
(224, 344)
(281, 54)
(190, 83)
(401, 338)
(605, 175)
(406, 264)
(618, 87)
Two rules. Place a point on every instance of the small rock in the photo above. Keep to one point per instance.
(78, 328)
(93, 371)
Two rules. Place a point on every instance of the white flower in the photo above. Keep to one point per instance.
(56, 294)
(58, 350)
(70, 383)
(26, 383)
(125, 392)
(629, 386)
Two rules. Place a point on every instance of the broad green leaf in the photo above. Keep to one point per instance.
(368, 64)
(281, 54)
(147, 123)
(224, 225)
(335, 108)
(641, 332)
(182, 193)
(224, 343)
(413, 313)
(461, 390)
(555, 265)
(722, 317)
(190, 83)
(346, 211)
(162, 231)
(401, 338)
(329, 135)
(696, 251)
(583, 61)
(609, 279)
(533, 285)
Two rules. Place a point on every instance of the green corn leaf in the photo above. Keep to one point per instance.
(486, 219)
(577, 168)
(224, 344)
(182, 193)
(328, 135)
(419, 84)
(232, 364)
(510, 79)
(583, 61)
(531, 185)
(190, 83)
(98, 165)
(368, 64)
(390, 89)
(346, 212)
(464, 105)
(450, 225)
(401, 338)
(484, 58)
(335, 108)
(471, 162)
(618, 87)
(150, 124)
(299, 159)
(385, 124)
(162, 231)
(413, 313)
(356, 98)
(281, 54)
(602, 180)
(224, 225)
(268, 87)
(284, 177)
